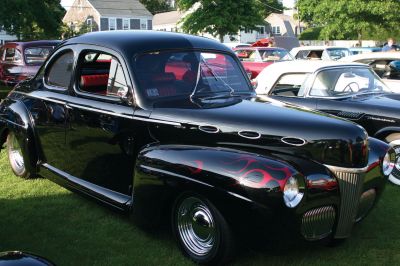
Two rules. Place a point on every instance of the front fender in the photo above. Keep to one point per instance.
(231, 179)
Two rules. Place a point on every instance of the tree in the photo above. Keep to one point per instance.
(350, 19)
(32, 19)
(220, 17)
(156, 6)
(271, 6)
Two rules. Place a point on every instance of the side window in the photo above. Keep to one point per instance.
(60, 72)
(290, 85)
(12, 55)
(102, 74)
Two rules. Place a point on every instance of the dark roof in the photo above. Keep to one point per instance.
(120, 8)
(134, 42)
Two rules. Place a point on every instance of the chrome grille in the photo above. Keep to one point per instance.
(318, 223)
(350, 185)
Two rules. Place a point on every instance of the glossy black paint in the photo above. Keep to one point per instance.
(18, 258)
(237, 151)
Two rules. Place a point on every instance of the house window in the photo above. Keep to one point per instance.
(247, 30)
(125, 23)
(143, 24)
(261, 30)
(112, 23)
(276, 30)
(89, 22)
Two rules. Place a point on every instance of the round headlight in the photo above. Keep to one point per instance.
(387, 164)
(291, 193)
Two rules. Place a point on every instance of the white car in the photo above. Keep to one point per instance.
(381, 64)
(320, 52)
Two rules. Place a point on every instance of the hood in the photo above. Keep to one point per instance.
(265, 125)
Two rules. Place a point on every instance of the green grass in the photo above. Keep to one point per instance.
(46, 219)
(4, 90)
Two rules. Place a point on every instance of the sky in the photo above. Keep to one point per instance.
(67, 3)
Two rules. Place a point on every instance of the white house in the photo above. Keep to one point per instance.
(285, 25)
(103, 15)
(170, 21)
(5, 37)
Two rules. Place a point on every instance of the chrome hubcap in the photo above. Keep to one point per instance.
(394, 177)
(15, 153)
(196, 226)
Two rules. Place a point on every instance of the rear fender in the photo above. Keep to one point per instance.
(15, 117)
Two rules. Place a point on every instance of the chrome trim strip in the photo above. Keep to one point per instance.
(101, 111)
(174, 174)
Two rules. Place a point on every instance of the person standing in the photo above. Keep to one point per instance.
(389, 46)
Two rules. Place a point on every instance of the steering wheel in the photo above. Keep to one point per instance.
(352, 87)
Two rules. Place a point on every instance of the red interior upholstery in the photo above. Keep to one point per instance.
(164, 83)
(94, 80)
(164, 78)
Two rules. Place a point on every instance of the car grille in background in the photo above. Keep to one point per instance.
(350, 185)
(318, 223)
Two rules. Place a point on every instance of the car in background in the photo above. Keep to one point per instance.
(21, 60)
(111, 115)
(19, 258)
(319, 52)
(255, 59)
(234, 45)
(364, 50)
(349, 90)
(385, 64)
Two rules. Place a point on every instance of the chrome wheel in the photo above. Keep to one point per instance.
(15, 155)
(196, 227)
(394, 177)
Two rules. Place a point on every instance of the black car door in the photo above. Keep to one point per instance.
(48, 108)
(100, 128)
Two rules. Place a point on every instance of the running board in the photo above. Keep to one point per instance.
(115, 199)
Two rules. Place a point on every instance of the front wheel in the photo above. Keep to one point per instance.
(394, 142)
(201, 230)
(15, 156)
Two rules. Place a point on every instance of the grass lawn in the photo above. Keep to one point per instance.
(44, 218)
(4, 91)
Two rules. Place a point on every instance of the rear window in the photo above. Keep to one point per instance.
(37, 55)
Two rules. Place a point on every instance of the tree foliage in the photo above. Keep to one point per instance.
(271, 6)
(220, 17)
(350, 19)
(30, 20)
(156, 6)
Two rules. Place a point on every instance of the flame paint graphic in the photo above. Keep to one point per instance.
(258, 173)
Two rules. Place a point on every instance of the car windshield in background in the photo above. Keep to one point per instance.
(347, 81)
(37, 55)
(260, 55)
(186, 74)
(337, 53)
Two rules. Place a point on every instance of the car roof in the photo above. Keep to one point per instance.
(300, 48)
(377, 55)
(259, 48)
(134, 42)
(272, 72)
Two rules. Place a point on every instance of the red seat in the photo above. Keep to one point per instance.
(99, 80)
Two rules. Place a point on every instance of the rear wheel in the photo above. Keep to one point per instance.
(16, 157)
(201, 230)
(394, 142)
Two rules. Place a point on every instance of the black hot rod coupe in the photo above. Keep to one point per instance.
(155, 123)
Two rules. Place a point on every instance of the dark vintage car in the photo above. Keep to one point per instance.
(21, 60)
(19, 258)
(348, 90)
(112, 115)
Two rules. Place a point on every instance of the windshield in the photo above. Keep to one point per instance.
(163, 75)
(337, 53)
(37, 55)
(263, 55)
(347, 81)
